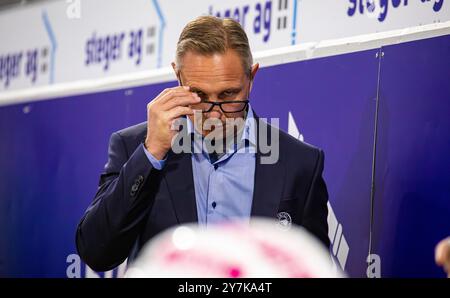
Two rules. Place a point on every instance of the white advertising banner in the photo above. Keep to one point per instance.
(62, 41)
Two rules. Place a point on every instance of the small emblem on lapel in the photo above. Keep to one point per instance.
(284, 220)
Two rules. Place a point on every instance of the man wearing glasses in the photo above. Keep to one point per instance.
(198, 157)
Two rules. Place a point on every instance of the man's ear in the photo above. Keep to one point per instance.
(253, 72)
(174, 67)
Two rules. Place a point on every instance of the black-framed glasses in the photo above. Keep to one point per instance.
(228, 106)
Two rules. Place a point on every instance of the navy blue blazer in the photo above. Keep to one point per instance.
(135, 202)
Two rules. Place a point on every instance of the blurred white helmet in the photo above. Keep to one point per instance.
(263, 248)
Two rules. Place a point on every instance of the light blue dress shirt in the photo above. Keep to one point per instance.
(223, 188)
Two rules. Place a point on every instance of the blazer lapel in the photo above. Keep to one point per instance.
(268, 180)
(180, 183)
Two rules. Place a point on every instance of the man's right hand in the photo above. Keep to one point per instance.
(169, 105)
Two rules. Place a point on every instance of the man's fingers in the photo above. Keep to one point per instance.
(167, 98)
(178, 112)
(173, 91)
(162, 96)
(177, 88)
(181, 100)
(174, 99)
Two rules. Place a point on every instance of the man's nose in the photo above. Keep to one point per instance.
(215, 112)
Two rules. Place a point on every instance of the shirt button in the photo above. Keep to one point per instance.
(214, 205)
(216, 166)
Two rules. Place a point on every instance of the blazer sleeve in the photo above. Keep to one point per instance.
(315, 212)
(111, 224)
